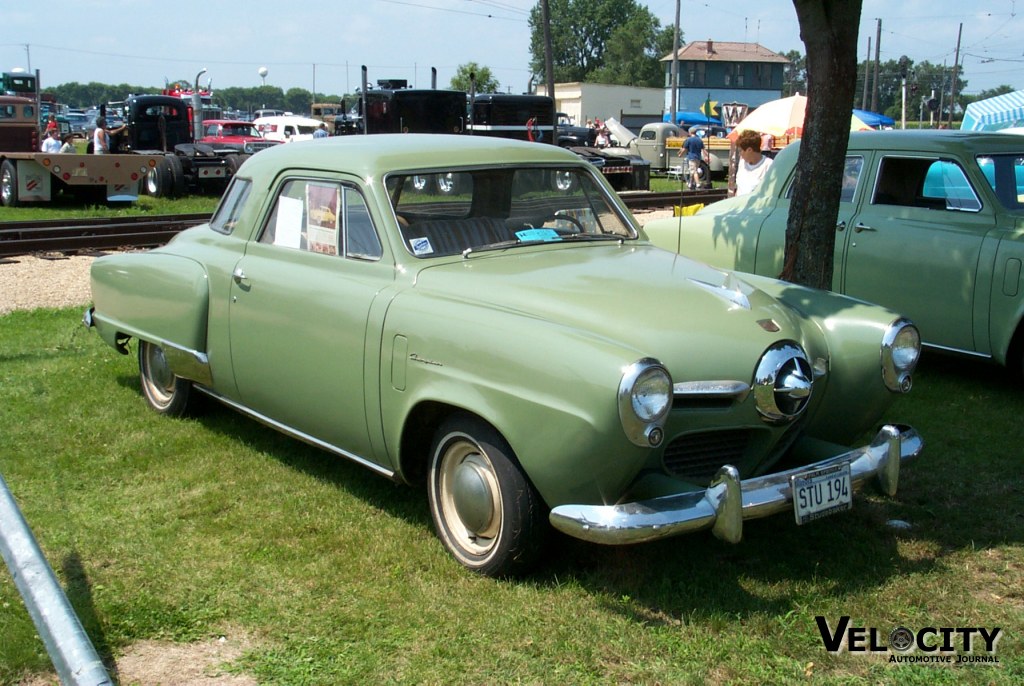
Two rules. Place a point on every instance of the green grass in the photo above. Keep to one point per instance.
(186, 529)
(69, 207)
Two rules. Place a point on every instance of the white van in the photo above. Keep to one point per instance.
(286, 128)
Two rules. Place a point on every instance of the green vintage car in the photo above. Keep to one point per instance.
(931, 224)
(519, 348)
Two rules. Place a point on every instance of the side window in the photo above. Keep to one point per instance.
(947, 183)
(230, 208)
(851, 177)
(922, 182)
(1005, 176)
(322, 217)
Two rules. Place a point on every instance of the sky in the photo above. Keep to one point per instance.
(320, 46)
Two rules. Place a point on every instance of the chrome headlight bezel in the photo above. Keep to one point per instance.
(901, 350)
(645, 399)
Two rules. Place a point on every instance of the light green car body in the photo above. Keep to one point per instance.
(368, 357)
(931, 235)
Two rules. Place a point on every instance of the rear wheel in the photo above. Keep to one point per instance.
(177, 176)
(9, 184)
(485, 511)
(166, 393)
(159, 182)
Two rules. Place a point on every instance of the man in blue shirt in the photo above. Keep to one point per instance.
(693, 149)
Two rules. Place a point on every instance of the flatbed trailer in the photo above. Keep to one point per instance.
(36, 177)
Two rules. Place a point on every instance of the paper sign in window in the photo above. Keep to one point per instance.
(323, 223)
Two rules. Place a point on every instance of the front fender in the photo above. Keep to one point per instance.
(551, 391)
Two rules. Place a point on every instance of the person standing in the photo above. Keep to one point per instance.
(101, 136)
(51, 143)
(321, 131)
(768, 145)
(753, 164)
(693, 151)
(69, 144)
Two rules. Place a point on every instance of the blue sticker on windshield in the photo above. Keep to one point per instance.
(538, 235)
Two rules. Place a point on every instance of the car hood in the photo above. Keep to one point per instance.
(692, 317)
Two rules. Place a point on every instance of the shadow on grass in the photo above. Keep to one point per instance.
(963, 493)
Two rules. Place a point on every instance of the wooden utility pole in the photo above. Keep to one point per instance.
(549, 64)
(867, 76)
(878, 46)
(956, 74)
(675, 67)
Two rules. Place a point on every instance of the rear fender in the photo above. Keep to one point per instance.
(152, 296)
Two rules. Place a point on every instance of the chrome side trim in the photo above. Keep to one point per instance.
(958, 351)
(295, 433)
(188, 364)
(711, 389)
(728, 501)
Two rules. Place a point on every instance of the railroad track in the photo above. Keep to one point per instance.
(63, 236)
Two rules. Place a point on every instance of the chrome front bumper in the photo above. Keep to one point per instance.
(728, 501)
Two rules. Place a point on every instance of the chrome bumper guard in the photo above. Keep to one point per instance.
(728, 501)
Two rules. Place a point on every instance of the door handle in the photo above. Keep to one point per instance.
(841, 226)
(863, 227)
(238, 275)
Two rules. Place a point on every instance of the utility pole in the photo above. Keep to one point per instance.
(867, 75)
(878, 46)
(956, 69)
(549, 63)
(675, 67)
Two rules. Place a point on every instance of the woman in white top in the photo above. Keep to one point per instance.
(101, 137)
(753, 165)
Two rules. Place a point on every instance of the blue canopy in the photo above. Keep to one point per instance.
(992, 114)
(689, 118)
(874, 119)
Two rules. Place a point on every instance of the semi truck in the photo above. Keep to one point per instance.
(30, 176)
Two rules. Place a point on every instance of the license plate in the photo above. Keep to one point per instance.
(819, 493)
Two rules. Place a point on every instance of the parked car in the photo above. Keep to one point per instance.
(708, 131)
(240, 136)
(929, 225)
(287, 128)
(521, 350)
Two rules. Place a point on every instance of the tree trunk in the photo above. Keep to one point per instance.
(829, 32)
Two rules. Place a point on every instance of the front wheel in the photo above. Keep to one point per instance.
(166, 393)
(485, 511)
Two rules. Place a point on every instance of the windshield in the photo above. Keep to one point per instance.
(241, 129)
(448, 213)
(1005, 174)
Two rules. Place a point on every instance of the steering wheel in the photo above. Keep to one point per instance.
(566, 217)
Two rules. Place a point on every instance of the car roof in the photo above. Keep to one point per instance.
(934, 140)
(374, 155)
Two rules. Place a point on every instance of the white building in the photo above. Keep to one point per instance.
(583, 101)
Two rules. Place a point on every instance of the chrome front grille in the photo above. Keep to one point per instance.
(698, 456)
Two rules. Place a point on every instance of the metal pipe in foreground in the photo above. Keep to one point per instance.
(69, 646)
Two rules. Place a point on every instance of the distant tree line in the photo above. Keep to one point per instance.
(298, 100)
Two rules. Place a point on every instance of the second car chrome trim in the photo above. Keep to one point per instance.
(728, 501)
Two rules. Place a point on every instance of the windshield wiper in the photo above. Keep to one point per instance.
(577, 237)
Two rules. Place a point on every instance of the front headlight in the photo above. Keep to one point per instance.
(645, 397)
(901, 349)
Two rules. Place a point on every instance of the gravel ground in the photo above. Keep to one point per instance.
(28, 282)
